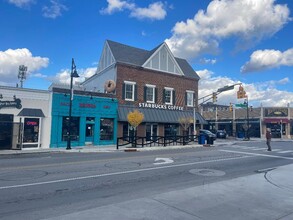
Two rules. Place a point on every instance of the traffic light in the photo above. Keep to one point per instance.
(214, 97)
(231, 107)
(241, 93)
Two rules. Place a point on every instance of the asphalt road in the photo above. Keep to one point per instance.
(56, 185)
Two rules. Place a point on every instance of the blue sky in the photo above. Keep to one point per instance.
(225, 41)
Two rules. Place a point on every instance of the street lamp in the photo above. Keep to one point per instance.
(73, 74)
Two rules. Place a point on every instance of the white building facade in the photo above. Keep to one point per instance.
(25, 118)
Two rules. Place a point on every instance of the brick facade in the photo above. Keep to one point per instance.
(160, 79)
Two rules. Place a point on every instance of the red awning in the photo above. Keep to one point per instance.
(277, 120)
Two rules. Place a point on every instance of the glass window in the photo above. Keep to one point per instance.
(171, 130)
(190, 99)
(129, 91)
(74, 128)
(168, 96)
(106, 128)
(150, 94)
(31, 130)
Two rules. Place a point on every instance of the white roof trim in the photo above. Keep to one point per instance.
(171, 56)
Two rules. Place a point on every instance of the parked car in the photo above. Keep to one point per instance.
(207, 134)
(221, 134)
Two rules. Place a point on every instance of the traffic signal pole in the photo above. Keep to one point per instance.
(248, 125)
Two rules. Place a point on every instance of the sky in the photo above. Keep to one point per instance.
(225, 41)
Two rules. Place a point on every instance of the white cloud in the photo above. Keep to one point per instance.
(63, 77)
(155, 11)
(21, 3)
(208, 61)
(264, 93)
(10, 60)
(268, 59)
(248, 21)
(116, 5)
(54, 11)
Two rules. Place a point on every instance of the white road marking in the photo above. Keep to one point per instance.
(259, 149)
(285, 151)
(255, 154)
(163, 161)
(119, 173)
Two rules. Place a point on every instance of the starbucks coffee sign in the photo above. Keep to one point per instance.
(159, 106)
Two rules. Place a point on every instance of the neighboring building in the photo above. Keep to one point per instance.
(93, 122)
(278, 119)
(25, 118)
(164, 88)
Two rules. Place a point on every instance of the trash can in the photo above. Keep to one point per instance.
(240, 135)
(201, 139)
(210, 140)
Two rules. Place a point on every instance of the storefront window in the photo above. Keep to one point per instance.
(107, 129)
(171, 130)
(31, 130)
(74, 126)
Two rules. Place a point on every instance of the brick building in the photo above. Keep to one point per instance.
(163, 87)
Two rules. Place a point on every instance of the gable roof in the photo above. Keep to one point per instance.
(127, 54)
(135, 56)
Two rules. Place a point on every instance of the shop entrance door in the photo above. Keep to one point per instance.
(151, 132)
(6, 131)
(89, 133)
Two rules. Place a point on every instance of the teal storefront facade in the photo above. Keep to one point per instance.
(93, 121)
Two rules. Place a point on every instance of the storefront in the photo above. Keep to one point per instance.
(24, 116)
(93, 121)
(157, 122)
(278, 121)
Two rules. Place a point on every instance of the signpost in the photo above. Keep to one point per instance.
(240, 95)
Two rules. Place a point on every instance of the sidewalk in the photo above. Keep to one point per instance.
(112, 148)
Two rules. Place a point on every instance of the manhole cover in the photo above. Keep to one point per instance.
(22, 175)
(207, 172)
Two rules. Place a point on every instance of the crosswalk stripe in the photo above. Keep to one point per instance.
(262, 148)
(285, 151)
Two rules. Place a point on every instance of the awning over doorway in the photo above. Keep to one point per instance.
(159, 115)
(277, 120)
(31, 112)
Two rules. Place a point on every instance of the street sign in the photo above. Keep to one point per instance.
(241, 105)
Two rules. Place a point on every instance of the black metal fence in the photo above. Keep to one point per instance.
(132, 141)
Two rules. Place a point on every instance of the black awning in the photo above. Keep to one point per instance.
(159, 115)
(31, 112)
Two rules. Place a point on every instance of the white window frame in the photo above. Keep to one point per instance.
(133, 90)
(171, 96)
(150, 87)
(188, 100)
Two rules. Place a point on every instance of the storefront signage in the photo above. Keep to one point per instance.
(32, 123)
(81, 105)
(16, 103)
(87, 105)
(276, 112)
(158, 106)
